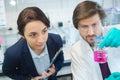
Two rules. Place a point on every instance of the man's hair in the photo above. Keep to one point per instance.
(85, 10)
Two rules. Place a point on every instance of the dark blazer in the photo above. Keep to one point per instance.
(18, 63)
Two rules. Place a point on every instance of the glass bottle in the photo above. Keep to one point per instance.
(99, 54)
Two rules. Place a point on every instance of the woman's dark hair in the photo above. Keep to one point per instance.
(30, 14)
(87, 9)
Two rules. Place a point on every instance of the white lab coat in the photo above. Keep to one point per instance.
(84, 67)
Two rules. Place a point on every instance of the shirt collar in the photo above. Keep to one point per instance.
(34, 55)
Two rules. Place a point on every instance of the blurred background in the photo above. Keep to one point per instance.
(60, 14)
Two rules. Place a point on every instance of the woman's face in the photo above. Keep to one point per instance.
(36, 35)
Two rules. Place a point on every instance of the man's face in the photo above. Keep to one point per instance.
(89, 28)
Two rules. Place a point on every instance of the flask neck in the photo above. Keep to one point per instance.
(97, 47)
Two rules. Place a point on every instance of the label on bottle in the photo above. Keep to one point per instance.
(100, 56)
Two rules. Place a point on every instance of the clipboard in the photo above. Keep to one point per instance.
(54, 58)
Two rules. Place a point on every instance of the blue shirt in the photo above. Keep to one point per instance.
(41, 61)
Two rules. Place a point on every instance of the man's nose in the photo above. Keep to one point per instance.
(90, 30)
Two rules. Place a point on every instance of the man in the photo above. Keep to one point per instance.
(88, 18)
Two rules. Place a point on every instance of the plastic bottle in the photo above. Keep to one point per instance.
(99, 54)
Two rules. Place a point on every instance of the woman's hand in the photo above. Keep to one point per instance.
(45, 74)
(37, 78)
(48, 73)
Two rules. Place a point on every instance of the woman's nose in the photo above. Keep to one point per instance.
(40, 38)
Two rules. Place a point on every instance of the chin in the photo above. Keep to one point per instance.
(91, 44)
(90, 41)
(40, 47)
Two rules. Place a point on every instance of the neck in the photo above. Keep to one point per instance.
(38, 51)
(92, 45)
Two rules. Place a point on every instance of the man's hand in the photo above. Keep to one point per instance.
(112, 39)
(114, 76)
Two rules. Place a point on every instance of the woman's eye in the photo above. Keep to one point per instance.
(94, 24)
(44, 31)
(32, 35)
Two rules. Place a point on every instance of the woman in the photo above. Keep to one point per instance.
(30, 57)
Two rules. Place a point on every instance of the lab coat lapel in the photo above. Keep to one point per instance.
(89, 55)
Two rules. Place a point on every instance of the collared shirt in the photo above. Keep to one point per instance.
(41, 61)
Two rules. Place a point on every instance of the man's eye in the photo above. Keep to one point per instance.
(84, 26)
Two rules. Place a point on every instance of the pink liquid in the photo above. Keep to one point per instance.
(100, 56)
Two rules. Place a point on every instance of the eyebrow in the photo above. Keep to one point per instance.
(87, 25)
(35, 32)
(31, 33)
(44, 28)
(83, 25)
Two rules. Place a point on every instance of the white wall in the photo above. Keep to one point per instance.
(57, 10)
